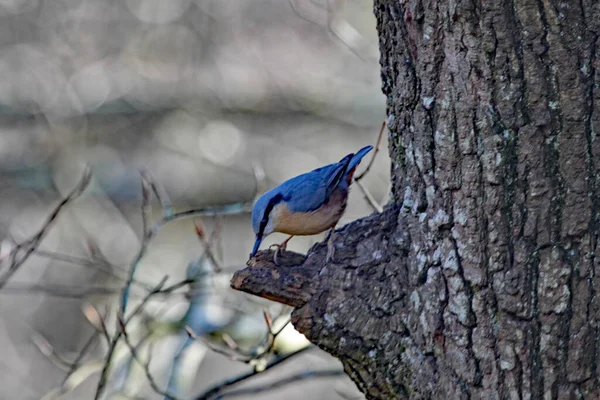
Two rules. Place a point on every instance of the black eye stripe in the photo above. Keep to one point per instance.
(278, 198)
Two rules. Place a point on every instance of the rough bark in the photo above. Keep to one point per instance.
(479, 280)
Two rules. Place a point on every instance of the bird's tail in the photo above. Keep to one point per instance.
(358, 156)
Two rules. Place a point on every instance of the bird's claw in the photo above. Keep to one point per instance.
(275, 257)
(278, 246)
(278, 249)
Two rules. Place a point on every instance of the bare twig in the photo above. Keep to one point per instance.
(268, 319)
(159, 192)
(57, 359)
(260, 352)
(98, 321)
(233, 356)
(208, 244)
(146, 237)
(254, 357)
(149, 234)
(221, 387)
(310, 374)
(113, 344)
(347, 34)
(229, 341)
(377, 146)
(214, 239)
(84, 350)
(229, 209)
(145, 365)
(218, 247)
(298, 12)
(66, 291)
(368, 196)
(28, 247)
(95, 263)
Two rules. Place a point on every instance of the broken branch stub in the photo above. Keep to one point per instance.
(291, 282)
(354, 307)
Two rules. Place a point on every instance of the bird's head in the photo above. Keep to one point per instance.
(263, 222)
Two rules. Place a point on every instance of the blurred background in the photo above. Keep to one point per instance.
(217, 100)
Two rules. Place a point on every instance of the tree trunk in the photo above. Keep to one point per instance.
(479, 280)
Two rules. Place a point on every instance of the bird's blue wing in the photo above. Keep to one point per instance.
(308, 192)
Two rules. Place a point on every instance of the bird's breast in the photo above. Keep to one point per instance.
(312, 222)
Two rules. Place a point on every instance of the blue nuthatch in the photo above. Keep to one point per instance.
(307, 204)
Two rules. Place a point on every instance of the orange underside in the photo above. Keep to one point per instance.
(310, 223)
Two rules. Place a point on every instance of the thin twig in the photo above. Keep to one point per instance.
(145, 365)
(159, 192)
(219, 388)
(146, 237)
(113, 344)
(307, 18)
(367, 194)
(310, 374)
(57, 359)
(377, 146)
(334, 19)
(100, 265)
(217, 349)
(230, 209)
(77, 362)
(101, 323)
(208, 244)
(260, 352)
(369, 197)
(219, 246)
(66, 291)
(32, 244)
(214, 240)
(149, 232)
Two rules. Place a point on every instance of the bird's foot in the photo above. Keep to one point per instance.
(278, 249)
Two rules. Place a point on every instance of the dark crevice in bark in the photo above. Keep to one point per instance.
(558, 203)
(537, 375)
(517, 39)
(483, 238)
(457, 177)
(593, 192)
(509, 155)
(552, 159)
(564, 339)
(471, 319)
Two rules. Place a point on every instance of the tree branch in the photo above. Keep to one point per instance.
(219, 388)
(31, 245)
(310, 374)
(290, 282)
(350, 307)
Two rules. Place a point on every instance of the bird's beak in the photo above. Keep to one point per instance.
(256, 245)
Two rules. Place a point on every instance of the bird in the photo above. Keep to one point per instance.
(307, 204)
